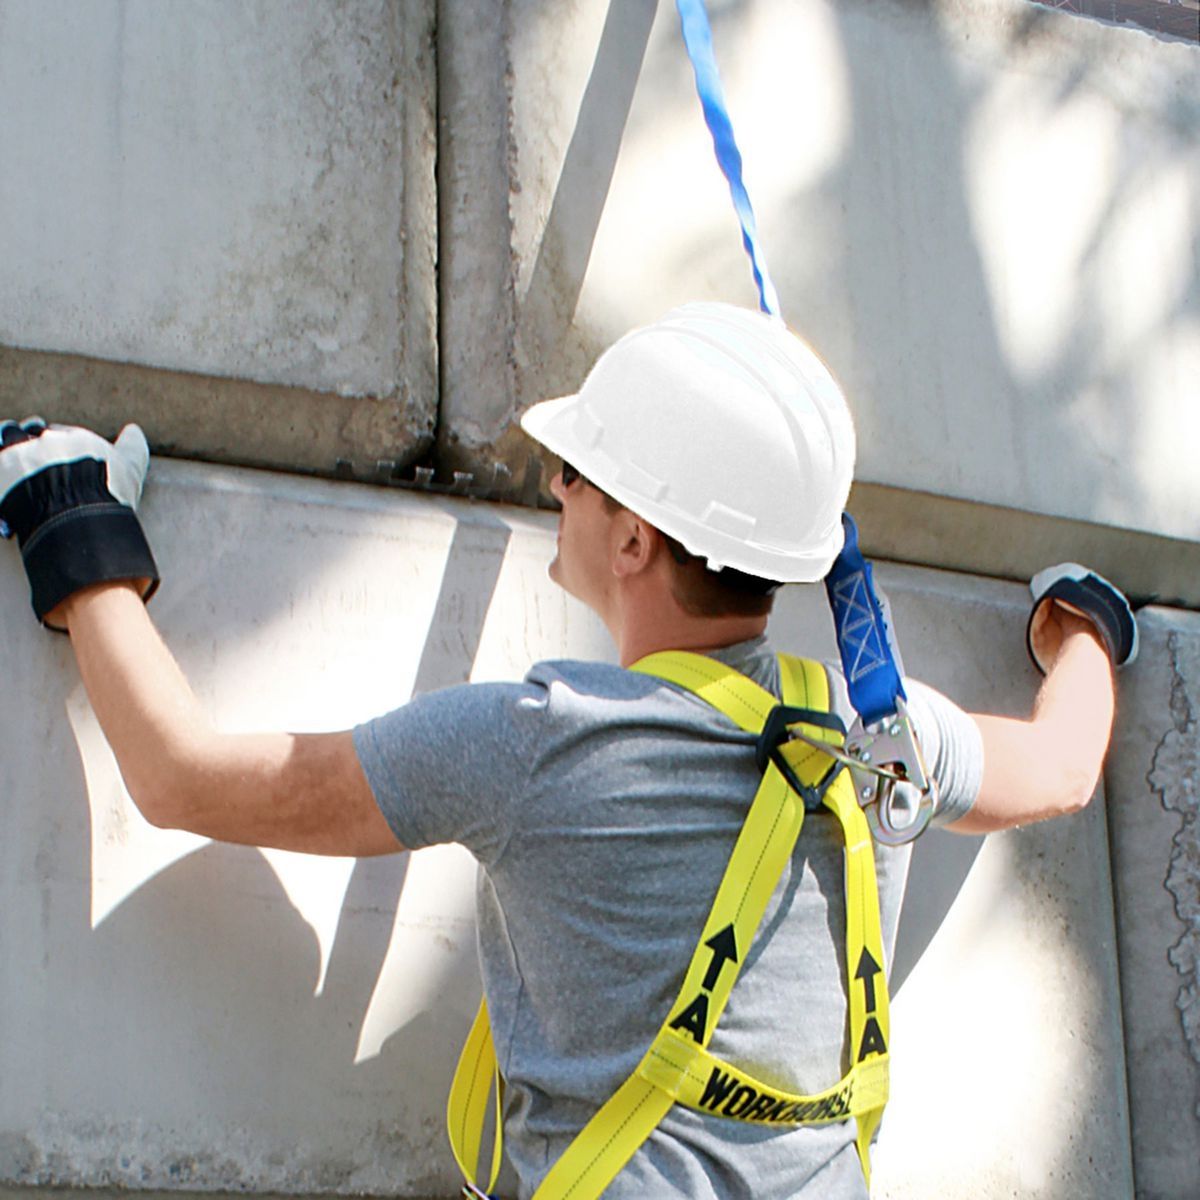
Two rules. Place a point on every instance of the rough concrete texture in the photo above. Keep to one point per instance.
(184, 1015)
(239, 190)
(1154, 780)
(982, 214)
(221, 420)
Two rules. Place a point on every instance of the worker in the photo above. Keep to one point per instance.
(707, 459)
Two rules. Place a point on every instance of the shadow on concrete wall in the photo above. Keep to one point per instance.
(472, 570)
(548, 306)
(191, 1002)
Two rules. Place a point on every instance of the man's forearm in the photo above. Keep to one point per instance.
(148, 711)
(1050, 764)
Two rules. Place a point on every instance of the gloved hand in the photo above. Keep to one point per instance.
(70, 497)
(1092, 597)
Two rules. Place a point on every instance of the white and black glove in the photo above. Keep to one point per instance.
(1091, 596)
(70, 499)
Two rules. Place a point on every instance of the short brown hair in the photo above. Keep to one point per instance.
(701, 592)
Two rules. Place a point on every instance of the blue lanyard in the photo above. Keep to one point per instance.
(869, 656)
(697, 37)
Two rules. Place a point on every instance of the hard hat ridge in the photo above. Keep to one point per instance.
(722, 429)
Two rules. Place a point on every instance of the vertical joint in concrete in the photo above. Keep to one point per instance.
(475, 174)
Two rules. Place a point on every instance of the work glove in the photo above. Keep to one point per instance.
(1091, 596)
(70, 499)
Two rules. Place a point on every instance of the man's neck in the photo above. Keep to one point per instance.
(682, 632)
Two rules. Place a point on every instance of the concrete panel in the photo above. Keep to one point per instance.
(237, 190)
(983, 215)
(1154, 779)
(187, 1016)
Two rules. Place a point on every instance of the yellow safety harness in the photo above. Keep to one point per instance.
(678, 1067)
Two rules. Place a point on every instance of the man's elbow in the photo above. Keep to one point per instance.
(168, 792)
(1065, 775)
(1073, 790)
(158, 803)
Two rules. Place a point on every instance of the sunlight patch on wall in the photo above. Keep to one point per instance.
(974, 1040)
(1162, 387)
(789, 99)
(317, 888)
(793, 117)
(127, 851)
(1146, 261)
(433, 930)
(1041, 173)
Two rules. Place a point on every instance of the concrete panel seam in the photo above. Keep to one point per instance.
(1106, 795)
(476, 176)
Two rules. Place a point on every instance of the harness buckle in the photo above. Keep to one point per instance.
(780, 727)
(895, 790)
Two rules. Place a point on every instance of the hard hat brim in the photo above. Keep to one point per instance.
(536, 419)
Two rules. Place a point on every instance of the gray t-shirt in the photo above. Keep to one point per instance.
(602, 806)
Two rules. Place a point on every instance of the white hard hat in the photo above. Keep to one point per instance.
(722, 429)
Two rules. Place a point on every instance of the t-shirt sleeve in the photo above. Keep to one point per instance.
(952, 746)
(453, 765)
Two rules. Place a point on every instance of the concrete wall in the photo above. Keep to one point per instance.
(983, 214)
(234, 192)
(184, 1014)
(221, 220)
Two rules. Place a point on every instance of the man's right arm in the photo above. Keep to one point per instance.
(70, 498)
(303, 792)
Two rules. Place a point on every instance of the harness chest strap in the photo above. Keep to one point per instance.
(678, 1067)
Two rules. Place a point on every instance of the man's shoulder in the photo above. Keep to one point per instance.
(562, 681)
(563, 677)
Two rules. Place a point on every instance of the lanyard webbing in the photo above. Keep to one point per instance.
(871, 660)
(866, 643)
(678, 1068)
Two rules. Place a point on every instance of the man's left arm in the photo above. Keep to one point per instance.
(1081, 628)
(1049, 764)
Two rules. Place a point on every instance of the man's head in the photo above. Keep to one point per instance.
(600, 527)
(725, 434)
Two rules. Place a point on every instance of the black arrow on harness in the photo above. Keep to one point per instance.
(724, 947)
(868, 968)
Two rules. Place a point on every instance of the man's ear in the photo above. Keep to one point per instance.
(636, 543)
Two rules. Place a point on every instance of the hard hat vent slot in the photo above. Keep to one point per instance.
(588, 429)
(729, 520)
(631, 477)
